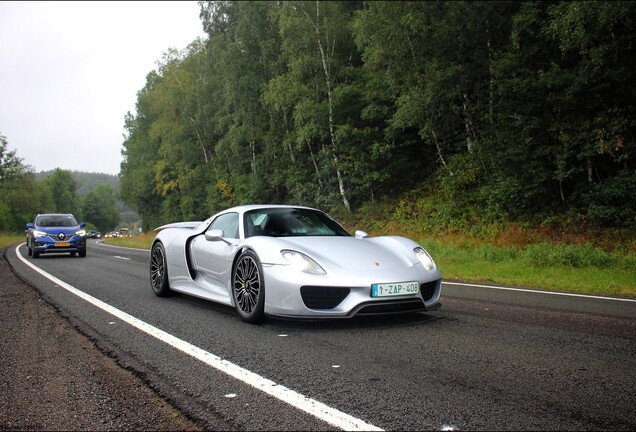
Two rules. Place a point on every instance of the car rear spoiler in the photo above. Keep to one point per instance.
(189, 225)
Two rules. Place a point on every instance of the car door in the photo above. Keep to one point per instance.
(212, 260)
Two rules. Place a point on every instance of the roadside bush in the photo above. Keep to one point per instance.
(496, 254)
(613, 202)
(546, 255)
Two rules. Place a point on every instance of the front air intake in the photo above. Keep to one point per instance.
(390, 307)
(317, 297)
(428, 289)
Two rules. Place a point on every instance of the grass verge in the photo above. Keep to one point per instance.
(9, 239)
(569, 268)
(579, 267)
(141, 241)
(599, 263)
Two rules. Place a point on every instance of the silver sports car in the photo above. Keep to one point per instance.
(292, 261)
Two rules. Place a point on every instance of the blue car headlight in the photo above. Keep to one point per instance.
(302, 262)
(81, 233)
(37, 233)
(424, 258)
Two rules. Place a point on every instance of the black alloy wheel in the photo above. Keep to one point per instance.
(248, 288)
(159, 271)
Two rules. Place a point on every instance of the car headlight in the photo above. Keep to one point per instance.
(37, 233)
(81, 233)
(302, 262)
(424, 258)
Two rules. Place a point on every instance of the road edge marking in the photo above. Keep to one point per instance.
(506, 288)
(101, 243)
(297, 400)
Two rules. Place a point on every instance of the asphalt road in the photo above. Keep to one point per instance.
(489, 359)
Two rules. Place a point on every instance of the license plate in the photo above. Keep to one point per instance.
(62, 244)
(394, 289)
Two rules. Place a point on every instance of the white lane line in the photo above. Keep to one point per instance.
(504, 288)
(311, 406)
(121, 257)
(101, 243)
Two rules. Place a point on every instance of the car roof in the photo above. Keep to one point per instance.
(55, 214)
(248, 207)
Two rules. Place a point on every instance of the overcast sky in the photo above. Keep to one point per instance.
(70, 71)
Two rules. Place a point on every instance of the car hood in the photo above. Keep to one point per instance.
(58, 230)
(354, 253)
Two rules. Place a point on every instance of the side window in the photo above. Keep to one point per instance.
(228, 223)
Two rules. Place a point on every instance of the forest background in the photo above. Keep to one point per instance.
(511, 122)
(457, 113)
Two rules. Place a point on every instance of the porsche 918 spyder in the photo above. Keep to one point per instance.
(294, 262)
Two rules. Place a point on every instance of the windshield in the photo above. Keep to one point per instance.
(56, 221)
(290, 222)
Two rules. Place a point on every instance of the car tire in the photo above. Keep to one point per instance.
(36, 254)
(82, 253)
(248, 288)
(159, 271)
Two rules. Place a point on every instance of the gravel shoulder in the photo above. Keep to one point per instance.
(52, 377)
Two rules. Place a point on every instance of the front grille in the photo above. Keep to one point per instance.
(61, 237)
(428, 289)
(390, 307)
(317, 297)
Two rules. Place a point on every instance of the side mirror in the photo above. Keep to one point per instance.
(214, 235)
(361, 234)
(82, 224)
(29, 225)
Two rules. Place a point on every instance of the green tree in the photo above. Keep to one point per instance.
(21, 195)
(503, 110)
(562, 109)
(319, 54)
(100, 208)
(140, 154)
(10, 163)
(244, 54)
(22, 199)
(594, 123)
(429, 68)
(64, 192)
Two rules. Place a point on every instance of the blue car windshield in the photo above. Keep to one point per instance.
(290, 222)
(56, 221)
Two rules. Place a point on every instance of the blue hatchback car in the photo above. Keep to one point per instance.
(56, 233)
